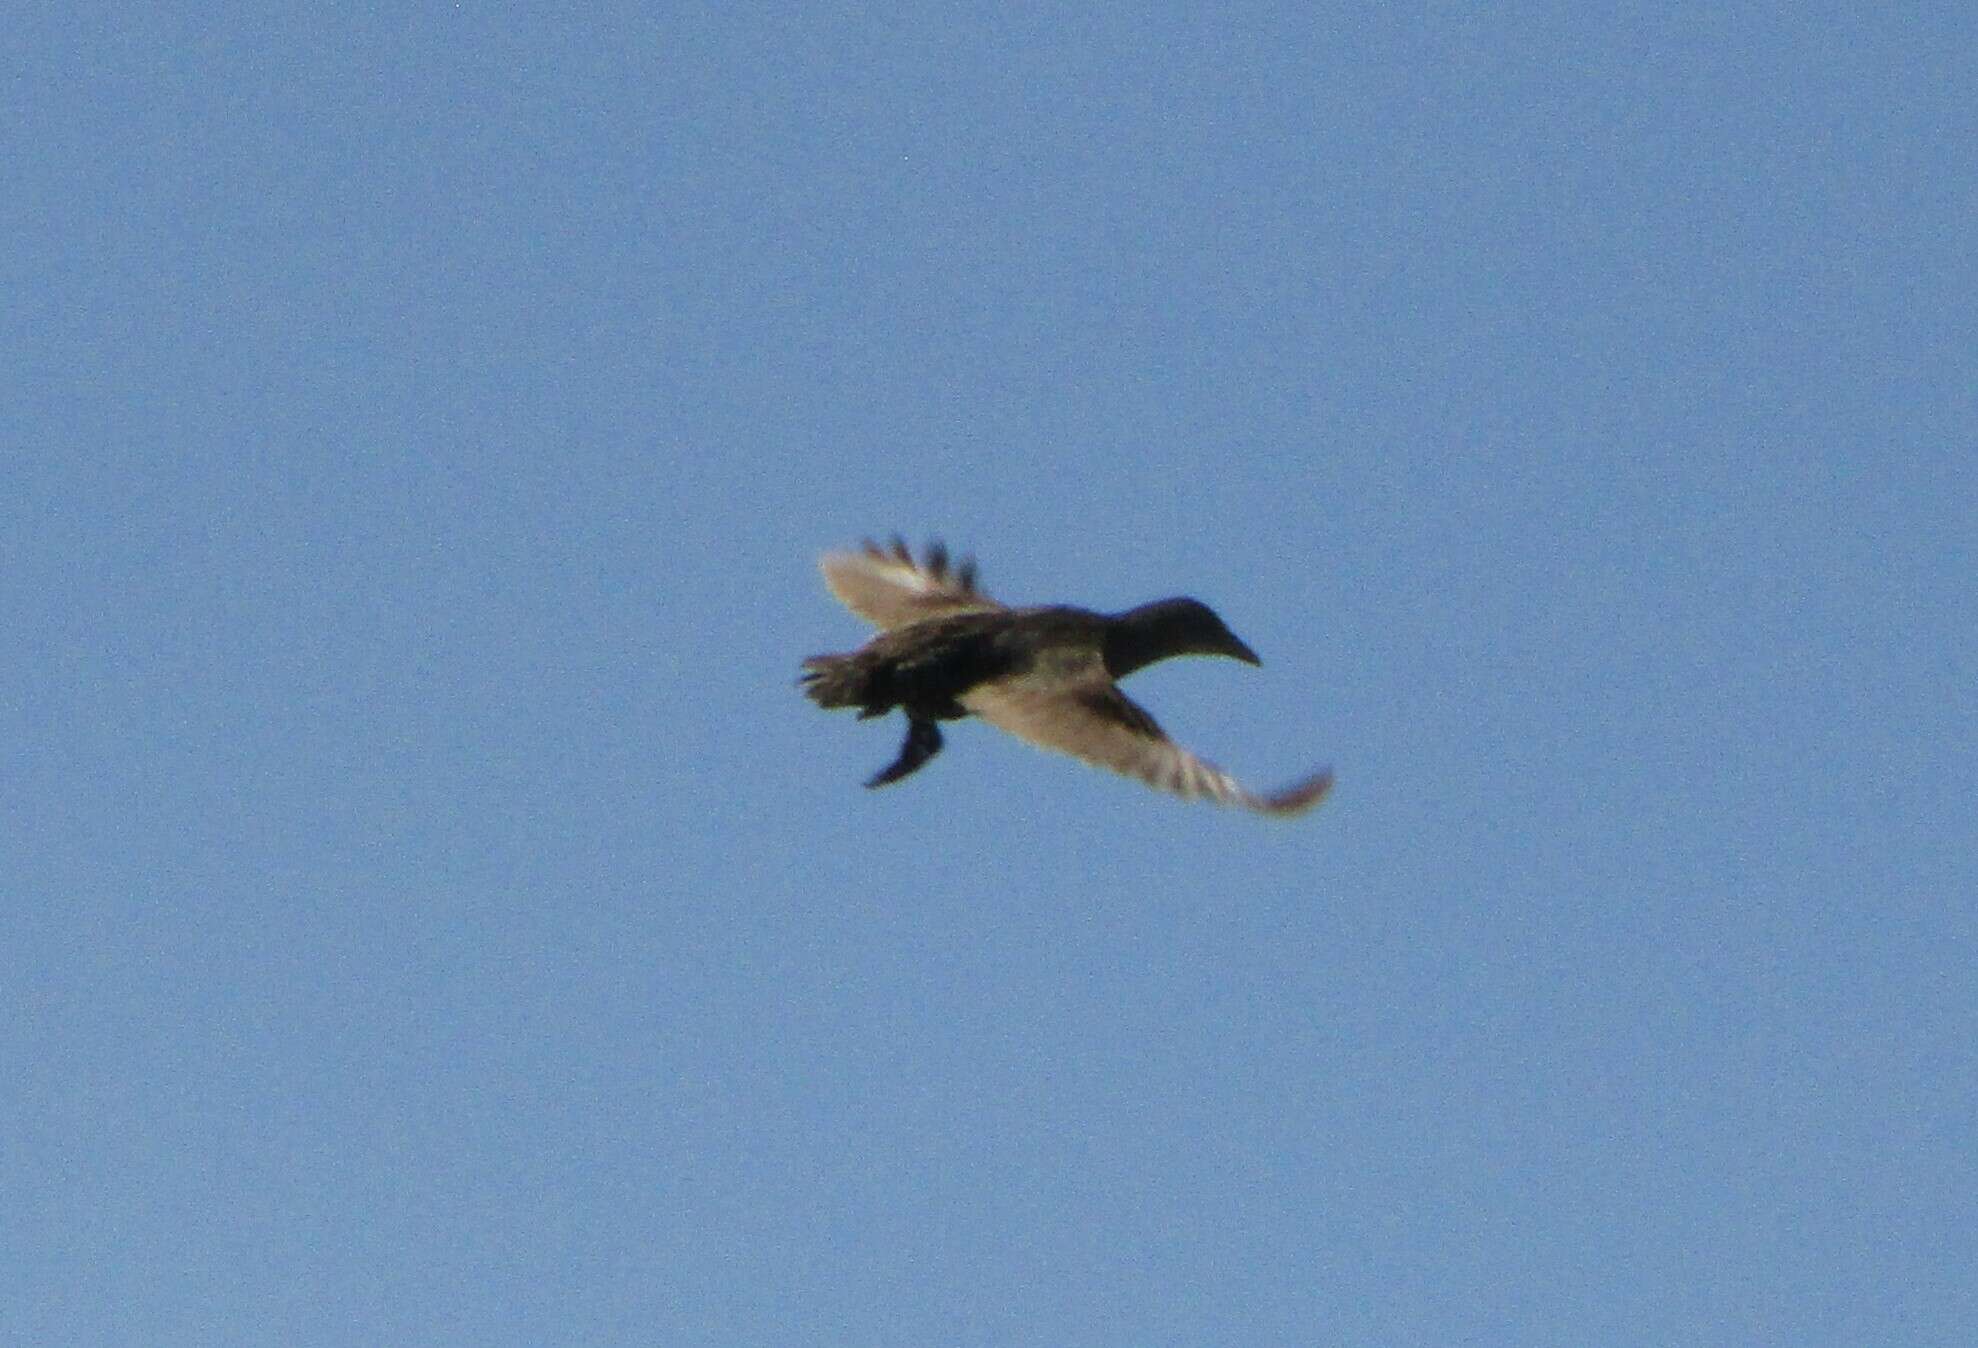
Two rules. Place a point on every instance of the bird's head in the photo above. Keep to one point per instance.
(1169, 627)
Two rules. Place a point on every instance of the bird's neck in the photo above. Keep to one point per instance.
(1139, 637)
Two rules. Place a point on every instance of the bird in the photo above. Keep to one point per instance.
(1046, 674)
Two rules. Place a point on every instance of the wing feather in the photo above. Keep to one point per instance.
(1091, 719)
(888, 588)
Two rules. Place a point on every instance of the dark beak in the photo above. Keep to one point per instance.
(1238, 651)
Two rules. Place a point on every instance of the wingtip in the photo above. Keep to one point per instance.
(1300, 797)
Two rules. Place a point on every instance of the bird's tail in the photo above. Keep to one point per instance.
(840, 681)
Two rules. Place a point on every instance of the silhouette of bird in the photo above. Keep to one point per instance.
(1045, 674)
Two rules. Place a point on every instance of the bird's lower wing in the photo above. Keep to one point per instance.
(1103, 726)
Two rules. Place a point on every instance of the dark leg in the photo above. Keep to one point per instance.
(923, 742)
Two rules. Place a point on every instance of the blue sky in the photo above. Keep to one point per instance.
(435, 917)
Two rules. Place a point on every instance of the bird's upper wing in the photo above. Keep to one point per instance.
(888, 588)
(1088, 717)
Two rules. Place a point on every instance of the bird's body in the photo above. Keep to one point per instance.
(1046, 674)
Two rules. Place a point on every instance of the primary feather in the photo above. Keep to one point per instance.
(888, 588)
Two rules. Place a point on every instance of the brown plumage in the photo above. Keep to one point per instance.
(1046, 674)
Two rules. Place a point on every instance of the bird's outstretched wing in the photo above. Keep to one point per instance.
(1089, 718)
(888, 588)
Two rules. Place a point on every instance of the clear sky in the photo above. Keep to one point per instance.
(433, 916)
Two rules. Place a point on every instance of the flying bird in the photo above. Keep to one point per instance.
(1045, 674)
